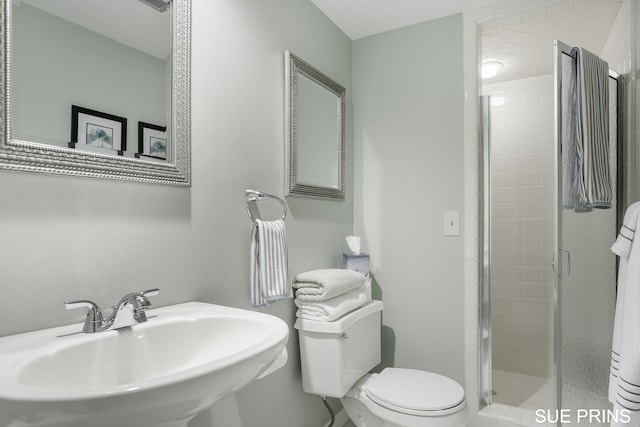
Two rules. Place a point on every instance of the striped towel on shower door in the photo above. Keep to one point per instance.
(592, 130)
(269, 263)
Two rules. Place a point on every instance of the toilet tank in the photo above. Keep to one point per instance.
(334, 355)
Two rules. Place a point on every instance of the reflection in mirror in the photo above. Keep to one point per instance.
(98, 88)
(315, 131)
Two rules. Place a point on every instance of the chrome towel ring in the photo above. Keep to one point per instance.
(254, 196)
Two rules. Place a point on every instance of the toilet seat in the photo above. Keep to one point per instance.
(415, 392)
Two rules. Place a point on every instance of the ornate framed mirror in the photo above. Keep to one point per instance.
(315, 131)
(107, 69)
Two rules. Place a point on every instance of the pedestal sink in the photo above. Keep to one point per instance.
(160, 373)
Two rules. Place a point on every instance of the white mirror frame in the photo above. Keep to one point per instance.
(26, 156)
(293, 187)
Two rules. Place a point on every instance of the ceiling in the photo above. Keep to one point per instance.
(518, 33)
(361, 18)
(524, 42)
(119, 20)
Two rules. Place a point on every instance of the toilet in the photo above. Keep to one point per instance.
(336, 358)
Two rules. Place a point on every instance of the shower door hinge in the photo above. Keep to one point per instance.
(561, 263)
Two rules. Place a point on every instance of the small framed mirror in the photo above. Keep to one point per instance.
(315, 131)
(97, 89)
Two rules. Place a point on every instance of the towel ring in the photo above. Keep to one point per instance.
(254, 196)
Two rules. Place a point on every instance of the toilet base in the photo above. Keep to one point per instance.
(359, 414)
(362, 416)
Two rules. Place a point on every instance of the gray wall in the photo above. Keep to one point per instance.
(66, 237)
(408, 139)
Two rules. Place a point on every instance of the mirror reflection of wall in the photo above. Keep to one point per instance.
(57, 63)
(318, 131)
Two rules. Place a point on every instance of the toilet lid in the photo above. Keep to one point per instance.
(398, 389)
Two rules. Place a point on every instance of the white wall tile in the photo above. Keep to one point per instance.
(521, 160)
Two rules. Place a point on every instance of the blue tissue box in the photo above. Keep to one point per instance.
(358, 262)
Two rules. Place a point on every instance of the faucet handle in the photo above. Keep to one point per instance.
(144, 303)
(70, 305)
(150, 292)
(144, 300)
(94, 314)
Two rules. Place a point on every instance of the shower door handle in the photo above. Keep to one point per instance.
(557, 264)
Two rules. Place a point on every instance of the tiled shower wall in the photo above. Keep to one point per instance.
(522, 225)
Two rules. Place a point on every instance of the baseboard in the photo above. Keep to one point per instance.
(341, 419)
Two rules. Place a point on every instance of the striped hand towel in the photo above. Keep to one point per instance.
(269, 263)
(592, 130)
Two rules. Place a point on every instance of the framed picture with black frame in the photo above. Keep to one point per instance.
(97, 132)
(152, 141)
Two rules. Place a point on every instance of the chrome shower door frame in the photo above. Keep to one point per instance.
(484, 230)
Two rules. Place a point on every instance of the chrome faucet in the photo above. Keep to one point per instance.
(128, 312)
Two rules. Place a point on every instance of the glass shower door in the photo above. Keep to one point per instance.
(584, 270)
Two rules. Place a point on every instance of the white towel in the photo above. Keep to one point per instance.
(331, 309)
(592, 126)
(622, 248)
(324, 284)
(269, 263)
(624, 378)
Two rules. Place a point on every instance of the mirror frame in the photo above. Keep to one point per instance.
(26, 156)
(293, 187)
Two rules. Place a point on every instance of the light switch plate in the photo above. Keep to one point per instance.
(452, 223)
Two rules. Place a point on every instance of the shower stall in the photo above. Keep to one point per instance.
(548, 282)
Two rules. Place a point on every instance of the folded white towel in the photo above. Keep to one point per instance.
(324, 284)
(331, 309)
(269, 274)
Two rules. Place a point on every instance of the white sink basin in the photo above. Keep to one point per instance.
(159, 373)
